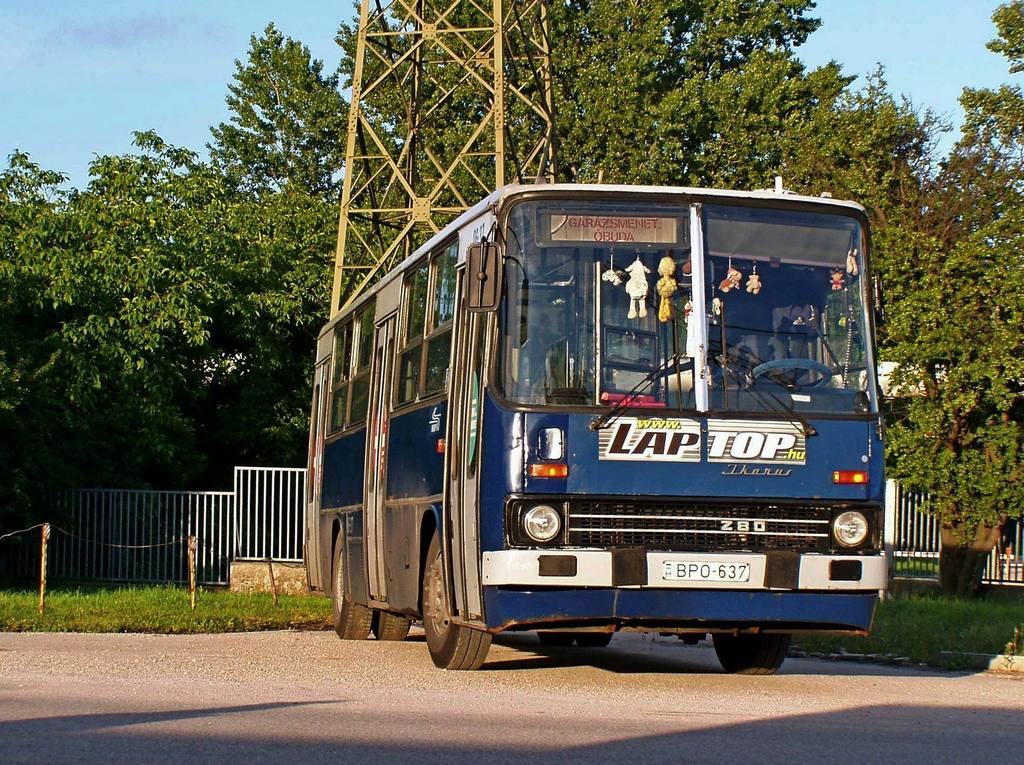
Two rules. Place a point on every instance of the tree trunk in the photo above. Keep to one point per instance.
(962, 563)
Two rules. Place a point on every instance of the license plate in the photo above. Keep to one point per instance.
(705, 571)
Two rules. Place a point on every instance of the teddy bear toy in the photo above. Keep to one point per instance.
(666, 287)
(837, 280)
(637, 288)
(753, 284)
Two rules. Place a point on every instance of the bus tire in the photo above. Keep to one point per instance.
(389, 626)
(593, 639)
(351, 620)
(451, 646)
(751, 654)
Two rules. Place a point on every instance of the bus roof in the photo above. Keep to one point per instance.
(511, 191)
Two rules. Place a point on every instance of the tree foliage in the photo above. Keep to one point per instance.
(288, 120)
(684, 92)
(957, 332)
(158, 324)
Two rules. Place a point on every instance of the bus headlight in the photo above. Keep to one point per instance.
(850, 529)
(542, 523)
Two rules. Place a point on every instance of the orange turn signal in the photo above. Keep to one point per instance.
(849, 476)
(550, 470)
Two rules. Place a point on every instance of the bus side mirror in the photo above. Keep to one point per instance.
(483, 277)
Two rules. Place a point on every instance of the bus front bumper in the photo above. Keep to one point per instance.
(735, 591)
(666, 570)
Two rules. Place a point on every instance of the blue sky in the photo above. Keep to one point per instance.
(77, 78)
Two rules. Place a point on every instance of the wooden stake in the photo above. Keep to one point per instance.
(192, 571)
(42, 568)
(273, 582)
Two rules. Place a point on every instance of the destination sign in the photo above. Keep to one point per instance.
(612, 228)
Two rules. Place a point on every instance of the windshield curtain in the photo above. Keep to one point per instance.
(598, 308)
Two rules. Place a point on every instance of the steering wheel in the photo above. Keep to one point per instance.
(809, 365)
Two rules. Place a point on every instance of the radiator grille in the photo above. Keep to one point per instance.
(698, 527)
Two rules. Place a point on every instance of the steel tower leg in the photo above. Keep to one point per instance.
(450, 100)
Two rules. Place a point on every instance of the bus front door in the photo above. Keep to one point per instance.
(462, 479)
(377, 459)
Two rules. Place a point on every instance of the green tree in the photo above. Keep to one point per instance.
(157, 327)
(684, 92)
(33, 422)
(956, 329)
(288, 120)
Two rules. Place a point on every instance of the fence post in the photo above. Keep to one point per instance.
(273, 582)
(42, 568)
(891, 511)
(192, 571)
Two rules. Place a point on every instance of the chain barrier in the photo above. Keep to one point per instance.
(190, 541)
(21, 531)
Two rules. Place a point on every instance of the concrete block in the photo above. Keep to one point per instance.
(254, 576)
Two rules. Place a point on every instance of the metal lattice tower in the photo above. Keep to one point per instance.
(451, 99)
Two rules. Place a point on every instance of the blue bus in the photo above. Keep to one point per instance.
(585, 409)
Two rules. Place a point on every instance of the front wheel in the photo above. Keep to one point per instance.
(451, 646)
(351, 620)
(751, 654)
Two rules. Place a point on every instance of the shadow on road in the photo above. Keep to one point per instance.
(297, 733)
(630, 654)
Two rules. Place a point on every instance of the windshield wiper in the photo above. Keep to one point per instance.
(626, 401)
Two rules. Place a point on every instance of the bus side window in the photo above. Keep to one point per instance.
(409, 362)
(363, 355)
(339, 379)
(439, 328)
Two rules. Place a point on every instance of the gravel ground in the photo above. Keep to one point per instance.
(308, 697)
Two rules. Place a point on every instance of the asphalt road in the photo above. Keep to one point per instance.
(306, 697)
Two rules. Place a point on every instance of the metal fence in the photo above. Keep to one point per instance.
(912, 538)
(269, 506)
(132, 535)
(128, 535)
(123, 535)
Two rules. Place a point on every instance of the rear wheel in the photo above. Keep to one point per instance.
(751, 654)
(451, 646)
(389, 626)
(351, 620)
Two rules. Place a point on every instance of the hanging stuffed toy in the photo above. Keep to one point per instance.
(666, 287)
(612, 276)
(754, 282)
(637, 288)
(732, 279)
(837, 280)
(716, 306)
(851, 263)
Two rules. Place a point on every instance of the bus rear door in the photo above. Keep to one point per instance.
(377, 458)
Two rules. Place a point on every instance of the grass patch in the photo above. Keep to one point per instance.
(161, 609)
(919, 628)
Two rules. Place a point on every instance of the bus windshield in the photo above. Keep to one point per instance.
(599, 307)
